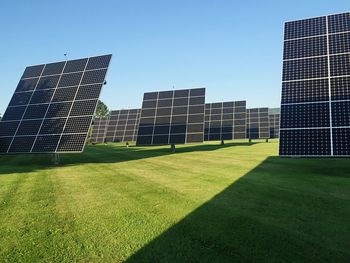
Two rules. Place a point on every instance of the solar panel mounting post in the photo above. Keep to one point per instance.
(173, 149)
(56, 158)
(222, 142)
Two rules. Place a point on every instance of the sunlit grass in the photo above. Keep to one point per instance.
(204, 203)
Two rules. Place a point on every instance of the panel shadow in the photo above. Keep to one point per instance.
(109, 153)
(272, 214)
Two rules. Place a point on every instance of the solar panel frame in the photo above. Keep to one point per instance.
(258, 125)
(37, 108)
(172, 117)
(328, 95)
(225, 121)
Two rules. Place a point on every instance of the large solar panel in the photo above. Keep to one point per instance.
(172, 117)
(52, 108)
(315, 102)
(123, 125)
(225, 121)
(258, 126)
(99, 129)
(274, 124)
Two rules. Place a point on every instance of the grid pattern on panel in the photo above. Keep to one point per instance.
(316, 87)
(172, 117)
(274, 124)
(53, 105)
(123, 125)
(225, 121)
(99, 129)
(258, 125)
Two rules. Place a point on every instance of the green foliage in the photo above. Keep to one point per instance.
(101, 109)
(205, 203)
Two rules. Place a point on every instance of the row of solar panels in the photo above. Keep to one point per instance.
(221, 121)
(53, 106)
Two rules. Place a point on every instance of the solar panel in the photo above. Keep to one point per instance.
(258, 126)
(225, 121)
(52, 108)
(123, 125)
(99, 129)
(315, 101)
(274, 124)
(172, 117)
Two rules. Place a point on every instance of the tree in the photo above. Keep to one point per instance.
(102, 109)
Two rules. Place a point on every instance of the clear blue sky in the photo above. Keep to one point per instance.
(233, 48)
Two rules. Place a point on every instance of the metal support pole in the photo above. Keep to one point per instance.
(56, 158)
(222, 142)
(172, 148)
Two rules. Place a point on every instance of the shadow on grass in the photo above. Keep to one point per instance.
(109, 153)
(284, 210)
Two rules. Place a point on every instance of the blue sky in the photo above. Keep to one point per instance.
(233, 48)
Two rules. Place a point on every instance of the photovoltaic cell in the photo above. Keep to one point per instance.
(316, 87)
(172, 117)
(52, 108)
(305, 28)
(305, 47)
(225, 121)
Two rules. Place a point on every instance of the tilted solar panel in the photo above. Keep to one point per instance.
(225, 121)
(315, 102)
(52, 108)
(258, 126)
(172, 117)
(123, 125)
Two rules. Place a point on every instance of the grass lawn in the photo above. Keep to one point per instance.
(205, 203)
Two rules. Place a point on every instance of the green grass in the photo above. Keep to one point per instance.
(205, 203)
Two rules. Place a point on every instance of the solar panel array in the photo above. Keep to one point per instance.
(274, 124)
(172, 117)
(123, 125)
(315, 106)
(258, 126)
(99, 129)
(53, 105)
(225, 121)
